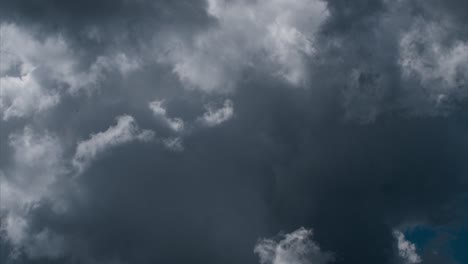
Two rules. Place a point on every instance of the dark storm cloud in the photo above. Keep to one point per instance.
(354, 152)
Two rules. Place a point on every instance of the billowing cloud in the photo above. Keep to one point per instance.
(21, 92)
(37, 163)
(294, 248)
(438, 69)
(278, 35)
(215, 116)
(406, 249)
(34, 72)
(22, 96)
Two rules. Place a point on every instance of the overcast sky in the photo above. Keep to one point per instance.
(233, 131)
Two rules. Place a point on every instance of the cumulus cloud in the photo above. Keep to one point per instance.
(37, 160)
(399, 62)
(36, 70)
(406, 249)
(23, 95)
(294, 248)
(17, 231)
(37, 164)
(215, 116)
(126, 130)
(437, 68)
(274, 35)
(68, 68)
(176, 124)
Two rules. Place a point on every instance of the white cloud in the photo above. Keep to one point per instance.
(20, 92)
(294, 248)
(36, 165)
(175, 124)
(216, 116)
(21, 96)
(406, 249)
(440, 67)
(276, 35)
(30, 65)
(126, 130)
(37, 160)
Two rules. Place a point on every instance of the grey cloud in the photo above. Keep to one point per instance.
(36, 166)
(35, 73)
(391, 56)
(173, 143)
(336, 123)
(176, 124)
(124, 131)
(216, 116)
(271, 34)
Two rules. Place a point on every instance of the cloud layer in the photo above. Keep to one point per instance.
(187, 131)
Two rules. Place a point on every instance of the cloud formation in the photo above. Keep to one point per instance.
(406, 249)
(294, 248)
(176, 124)
(126, 130)
(216, 116)
(278, 35)
(233, 120)
(35, 73)
(36, 165)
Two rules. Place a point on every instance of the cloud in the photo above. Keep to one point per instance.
(118, 61)
(126, 130)
(437, 70)
(343, 110)
(173, 143)
(35, 72)
(22, 96)
(21, 92)
(37, 160)
(276, 36)
(406, 249)
(175, 124)
(37, 164)
(216, 116)
(16, 230)
(293, 248)
(388, 60)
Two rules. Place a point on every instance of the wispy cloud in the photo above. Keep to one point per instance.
(125, 130)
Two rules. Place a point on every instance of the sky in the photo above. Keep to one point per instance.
(234, 131)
